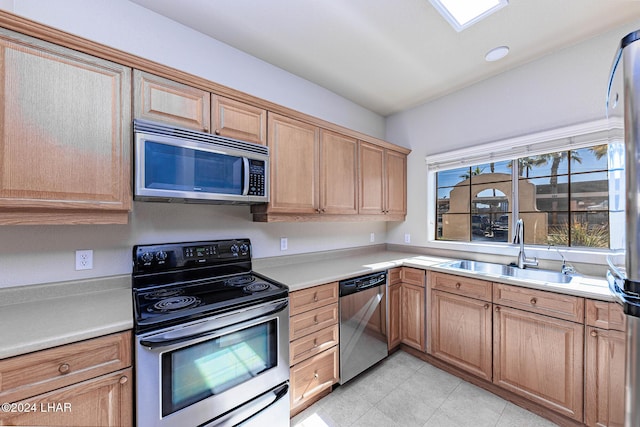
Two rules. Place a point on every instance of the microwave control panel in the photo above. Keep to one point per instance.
(256, 178)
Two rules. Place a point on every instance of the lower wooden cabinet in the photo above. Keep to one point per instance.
(313, 349)
(605, 348)
(88, 383)
(412, 311)
(461, 331)
(394, 337)
(103, 401)
(540, 358)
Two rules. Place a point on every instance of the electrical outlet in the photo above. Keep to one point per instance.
(407, 238)
(372, 237)
(84, 260)
(284, 244)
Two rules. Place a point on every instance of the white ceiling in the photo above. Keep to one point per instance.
(389, 55)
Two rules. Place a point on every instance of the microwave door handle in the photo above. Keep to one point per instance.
(245, 190)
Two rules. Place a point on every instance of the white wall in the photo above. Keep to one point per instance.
(37, 254)
(560, 89)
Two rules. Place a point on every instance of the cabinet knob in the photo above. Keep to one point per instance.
(64, 368)
(458, 285)
(486, 306)
(497, 309)
(315, 375)
(205, 129)
(533, 301)
(217, 131)
(123, 380)
(594, 333)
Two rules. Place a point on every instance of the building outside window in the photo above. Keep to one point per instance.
(564, 198)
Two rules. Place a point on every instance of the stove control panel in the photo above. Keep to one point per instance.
(168, 256)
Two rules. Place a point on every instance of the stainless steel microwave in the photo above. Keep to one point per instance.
(174, 164)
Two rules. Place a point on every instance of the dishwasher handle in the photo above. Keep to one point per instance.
(358, 284)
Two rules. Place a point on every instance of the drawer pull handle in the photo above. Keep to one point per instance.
(486, 306)
(315, 342)
(123, 380)
(594, 334)
(315, 319)
(458, 285)
(533, 301)
(64, 368)
(315, 297)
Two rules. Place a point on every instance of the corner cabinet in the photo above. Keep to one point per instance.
(88, 383)
(65, 135)
(383, 182)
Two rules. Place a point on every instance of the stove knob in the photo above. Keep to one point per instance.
(244, 249)
(146, 257)
(161, 256)
(234, 249)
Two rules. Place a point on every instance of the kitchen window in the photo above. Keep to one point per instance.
(569, 197)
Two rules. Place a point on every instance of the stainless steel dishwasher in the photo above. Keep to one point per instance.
(363, 324)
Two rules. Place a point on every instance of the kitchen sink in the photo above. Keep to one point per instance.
(490, 269)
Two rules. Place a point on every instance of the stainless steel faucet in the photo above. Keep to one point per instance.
(518, 238)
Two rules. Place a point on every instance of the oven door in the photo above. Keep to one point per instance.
(197, 373)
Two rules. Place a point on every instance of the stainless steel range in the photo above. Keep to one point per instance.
(212, 337)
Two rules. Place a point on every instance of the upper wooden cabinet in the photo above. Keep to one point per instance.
(338, 173)
(235, 119)
(65, 135)
(163, 100)
(383, 181)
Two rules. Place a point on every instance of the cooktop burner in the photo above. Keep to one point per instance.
(174, 304)
(256, 287)
(241, 280)
(179, 282)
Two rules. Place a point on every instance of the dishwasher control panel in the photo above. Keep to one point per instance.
(361, 283)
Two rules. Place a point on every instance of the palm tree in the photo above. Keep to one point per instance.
(600, 151)
(474, 172)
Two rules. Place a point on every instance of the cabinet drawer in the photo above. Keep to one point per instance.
(35, 373)
(313, 376)
(312, 321)
(314, 343)
(472, 288)
(413, 276)
(605, 315)
(315, 297)
(394, 276)
(561, 306)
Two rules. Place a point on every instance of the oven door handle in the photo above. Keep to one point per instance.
(251, 409)
(166, 342)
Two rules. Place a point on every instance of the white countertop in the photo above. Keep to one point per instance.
(37, 317)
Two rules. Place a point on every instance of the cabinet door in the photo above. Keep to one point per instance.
(339, 173)
(394, 336)
(103, 401)
(294, 167)
(235, 119)
(540, 358)
(412, 315)
(163, 100)
(372, 176)
(65, 135)
(461, 332)
(604, 377)
(396, 183)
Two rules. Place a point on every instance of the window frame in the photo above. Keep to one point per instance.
(605, 131)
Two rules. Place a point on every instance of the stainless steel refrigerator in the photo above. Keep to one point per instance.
(623, 100)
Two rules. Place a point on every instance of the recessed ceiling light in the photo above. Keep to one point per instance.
(463, 13)
(496, 53)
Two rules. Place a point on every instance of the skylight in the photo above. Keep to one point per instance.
(464, 13)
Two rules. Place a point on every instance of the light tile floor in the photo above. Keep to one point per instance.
(406, 391)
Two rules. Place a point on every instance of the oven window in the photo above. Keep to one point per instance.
(168, 167)
(193, 373)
